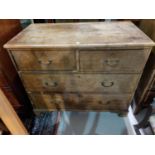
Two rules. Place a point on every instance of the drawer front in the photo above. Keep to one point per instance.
(45, 60)
(107, 83)
(80, 101)
(113, 61)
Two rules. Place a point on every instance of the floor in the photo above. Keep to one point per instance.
(83, 123)
(94, 123)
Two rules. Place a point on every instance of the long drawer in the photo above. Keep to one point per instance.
(105, 83)
(76, 101)
(122, 61)
(45, 60)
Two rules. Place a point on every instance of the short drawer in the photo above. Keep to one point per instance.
(45, 60)
(122, 61)
(106, 83)
(80, 101)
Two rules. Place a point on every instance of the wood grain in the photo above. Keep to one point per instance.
(79, 101)
(106, 83)
(45, 60)
(113, 61)
(9, 117)
(74, 35)
(92, 63)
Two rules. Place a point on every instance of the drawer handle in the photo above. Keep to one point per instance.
(51, 84)
(48, 62)
(107, 83)
(112, 62)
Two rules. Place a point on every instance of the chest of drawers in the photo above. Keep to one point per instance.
(80, 66)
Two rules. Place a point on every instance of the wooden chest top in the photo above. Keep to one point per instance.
(80, 35)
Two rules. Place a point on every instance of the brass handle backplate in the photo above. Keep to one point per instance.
(51, 84)
(107, 83)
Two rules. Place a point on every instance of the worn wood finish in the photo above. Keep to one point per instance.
(80, 35)
(93, 63)
(113, 61)
(45, 60)
(105, 83)
(102, 61)
(74, 101)
(9, 117)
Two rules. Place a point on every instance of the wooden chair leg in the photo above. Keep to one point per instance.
(9, 117)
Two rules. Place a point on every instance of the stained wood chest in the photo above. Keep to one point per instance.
(80, 66)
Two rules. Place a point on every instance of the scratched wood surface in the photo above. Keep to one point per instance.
(74, 101)
(80, 65)
(113, 61)
(97, 34)
(45, 60)
(107, 83)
